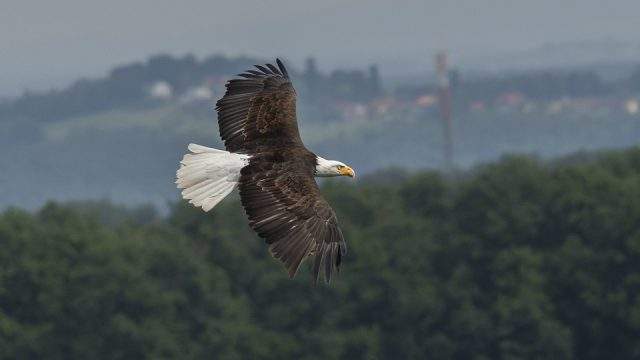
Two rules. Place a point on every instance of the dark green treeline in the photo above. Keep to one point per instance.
(514, 260)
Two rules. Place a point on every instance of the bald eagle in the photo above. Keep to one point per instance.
(273, 170)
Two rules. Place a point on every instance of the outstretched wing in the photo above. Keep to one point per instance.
(259, 110)
(285, 208)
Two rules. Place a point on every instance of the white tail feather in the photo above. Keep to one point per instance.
(208, 175)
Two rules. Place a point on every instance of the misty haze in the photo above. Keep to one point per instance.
(495, 213)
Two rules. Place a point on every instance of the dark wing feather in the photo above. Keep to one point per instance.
(283, 70)
(259, 110)
(285, 208)
(264, 69)
(257, 116)
(274, 69)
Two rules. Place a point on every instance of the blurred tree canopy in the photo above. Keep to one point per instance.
(515, 260)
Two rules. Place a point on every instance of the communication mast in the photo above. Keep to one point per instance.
(444, 100)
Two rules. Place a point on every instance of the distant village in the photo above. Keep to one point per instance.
(340, 95)
(360, 95)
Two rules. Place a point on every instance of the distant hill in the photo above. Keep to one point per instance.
(125, 87)
(131, 156)
(111, 138)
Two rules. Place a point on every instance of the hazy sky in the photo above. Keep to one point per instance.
(49, 43)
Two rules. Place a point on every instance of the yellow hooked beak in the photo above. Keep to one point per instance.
(347, 171)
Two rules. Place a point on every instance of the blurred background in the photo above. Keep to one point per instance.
(496, 214)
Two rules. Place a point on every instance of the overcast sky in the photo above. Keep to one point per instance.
(49, 43)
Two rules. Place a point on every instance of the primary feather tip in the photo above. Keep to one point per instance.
(282, 68)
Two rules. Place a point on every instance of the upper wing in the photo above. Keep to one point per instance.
(259, 110)
(285, 207)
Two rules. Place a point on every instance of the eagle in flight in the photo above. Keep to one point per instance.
(266, 159)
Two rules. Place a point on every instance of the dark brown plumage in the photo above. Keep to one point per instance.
(257, 117)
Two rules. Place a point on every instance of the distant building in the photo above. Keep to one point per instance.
(632, 106)
(383, 105)
(200, 93)
(426, 100)
(161, 90)
(513, 98)
(352, 110)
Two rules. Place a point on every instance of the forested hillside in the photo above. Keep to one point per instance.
(513, 260)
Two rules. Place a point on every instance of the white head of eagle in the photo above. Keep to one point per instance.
(329, 168)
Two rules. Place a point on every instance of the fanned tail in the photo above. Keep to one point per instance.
(208, 175)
